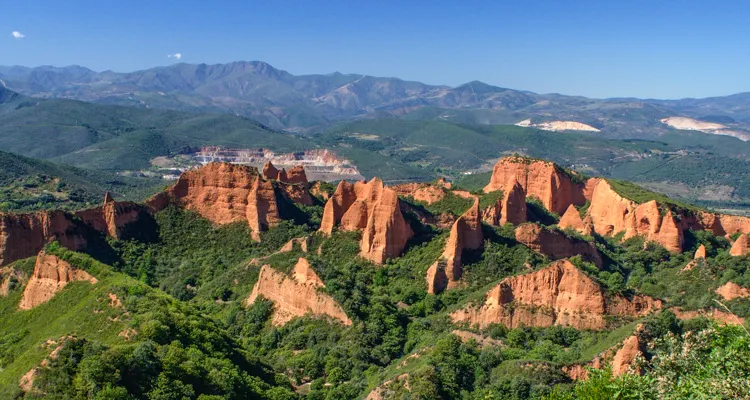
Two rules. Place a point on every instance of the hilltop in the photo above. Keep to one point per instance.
(241, 282)
(282, 100)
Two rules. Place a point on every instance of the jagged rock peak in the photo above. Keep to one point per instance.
(465, 234)
(559, 294)
(296, 295)
(541, 179)
(375, 209)
(269, 171)
(514, 204)
(700, 253)
(741, 246)
(556, 244)
(50, 276)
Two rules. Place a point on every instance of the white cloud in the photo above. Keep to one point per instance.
(18, 35)
(175, 55)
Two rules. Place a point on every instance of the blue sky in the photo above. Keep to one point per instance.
(661, 49)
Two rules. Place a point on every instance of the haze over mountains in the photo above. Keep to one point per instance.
(308, 102)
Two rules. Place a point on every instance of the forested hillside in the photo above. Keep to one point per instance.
(230, 297)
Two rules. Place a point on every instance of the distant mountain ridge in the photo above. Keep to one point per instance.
(282, 100)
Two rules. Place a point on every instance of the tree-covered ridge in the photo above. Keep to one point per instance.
(185, 289)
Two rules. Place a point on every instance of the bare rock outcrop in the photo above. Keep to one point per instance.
(721, 317)
(423, 192)
(376, 210)
(262, 212)
(611, 213)
(623, 361)
(224, 193)
(113, 217)
(572, 220)
(556, 244)
(24, 235)
(269, 171)
(538, 178)
(387, 231)
(50, 276)
(731, 291)
(513, 204)
(559, 294)
(296, 295)
(741, 246)
(466, 234)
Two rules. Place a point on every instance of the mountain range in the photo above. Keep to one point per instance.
(307, 103)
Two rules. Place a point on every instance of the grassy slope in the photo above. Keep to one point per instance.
(71, 312)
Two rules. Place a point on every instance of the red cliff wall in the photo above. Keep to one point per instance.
(296, 295)
(559, 294)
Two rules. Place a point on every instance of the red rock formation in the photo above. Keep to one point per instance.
(112, 216)
(437, 278)
(50, 276)
(572, 220)
(722, 317)
(296, 176)
(620, 358)
(295, 295)
(541, 179)
(373, 208)
(387, 232)
(225, 193)
(262, 210)
(700, 256)
(466, 234)
(513, 204)
(423, 192)
(624, 358)
(24, 235)
(610, 214)
(339, 203)
(217, 191)
(559, 294)
(731, 291)
(741, 246)
(700, 253)
(289, 246)
(556, 244)
(269, 171)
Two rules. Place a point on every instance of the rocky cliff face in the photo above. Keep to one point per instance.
(50, 276)
(373, 208)
(511, 208)
(541, 179)
(24, 235)
(113, 217)
(294, 182)
(296, 295)
(466, 234)
(731, 291)
(741, 246)
(387, 232)
(572, 220)
(610, 214)
(225, 193)
(559, 294)
(424, 192)
(556, 244)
